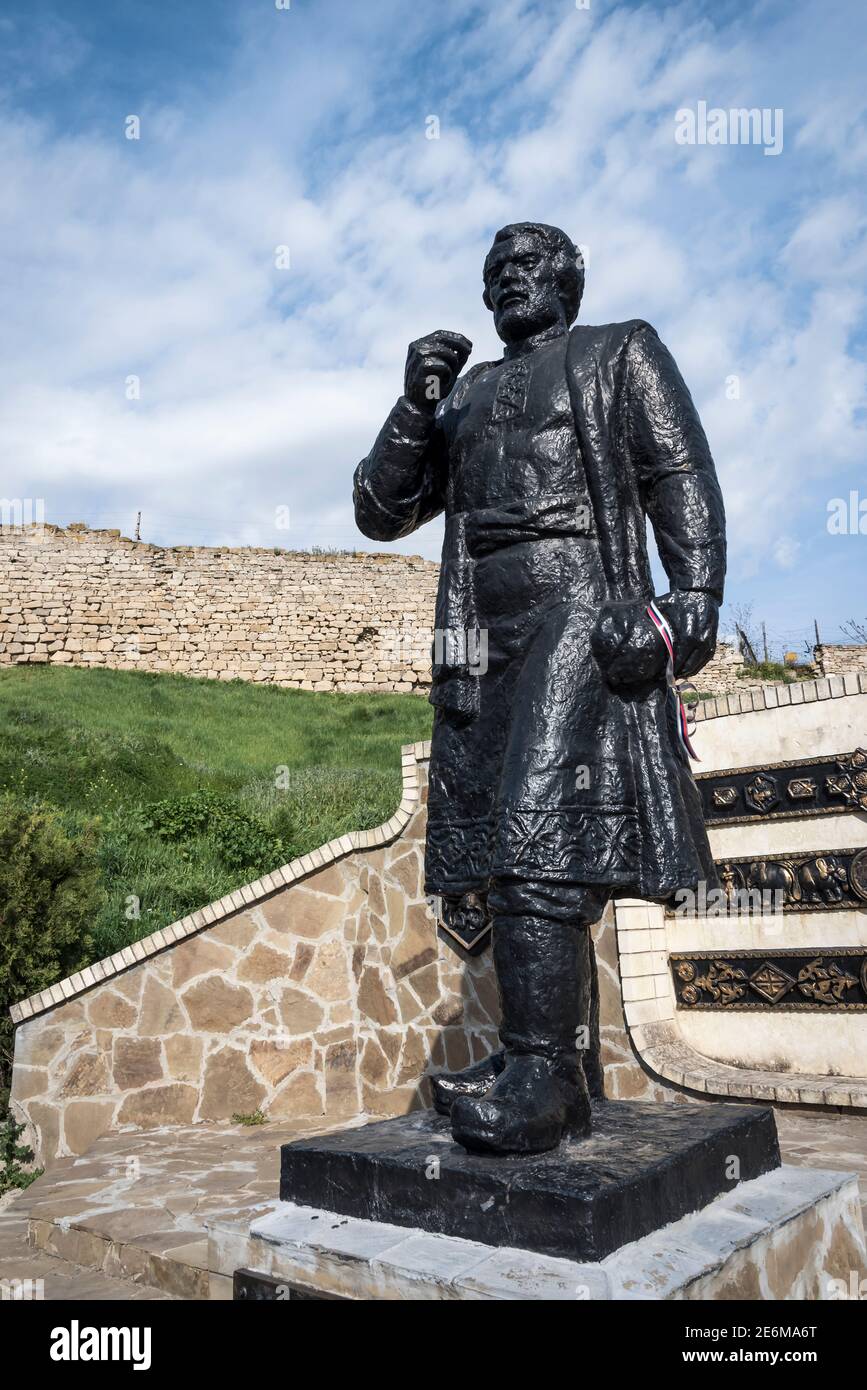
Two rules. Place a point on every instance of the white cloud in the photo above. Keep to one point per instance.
(262, 387)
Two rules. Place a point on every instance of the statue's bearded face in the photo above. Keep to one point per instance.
(522, 286)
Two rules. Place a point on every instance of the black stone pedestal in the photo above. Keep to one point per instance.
(643, 1166)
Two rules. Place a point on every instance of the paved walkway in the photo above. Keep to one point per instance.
(826, 1140)
(59, 1279)
(127, 1220)
(134, 1207)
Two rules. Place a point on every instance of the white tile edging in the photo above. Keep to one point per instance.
(778, 696)
(247, 896)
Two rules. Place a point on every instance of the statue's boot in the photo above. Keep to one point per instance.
(541, 1095)
(478, 1079)
(473, 1081)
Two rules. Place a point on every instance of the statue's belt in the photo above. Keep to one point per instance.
(528, 519)
(473, 534)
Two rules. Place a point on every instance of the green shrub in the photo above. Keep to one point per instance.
(50, 891)
(12, 1155)
(243, 842)
(767, 671)
(250, 1118)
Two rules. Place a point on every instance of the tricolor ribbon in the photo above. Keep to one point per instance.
(663, 627)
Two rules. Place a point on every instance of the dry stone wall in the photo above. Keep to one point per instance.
(722, 674)
(318, 622)
(838, 661)
(347, 621)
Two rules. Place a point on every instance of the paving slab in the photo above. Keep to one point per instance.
(174, 1181)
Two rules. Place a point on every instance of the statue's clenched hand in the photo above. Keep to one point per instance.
(627, 646)
(629, 649)
(433, 364)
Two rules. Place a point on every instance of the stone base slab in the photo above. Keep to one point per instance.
(794, 1233)
(643, 1166)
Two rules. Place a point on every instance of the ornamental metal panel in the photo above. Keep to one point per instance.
(783, 791)
(828, 980)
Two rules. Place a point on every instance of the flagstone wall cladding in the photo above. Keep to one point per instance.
(352, 622)
(324, 1002)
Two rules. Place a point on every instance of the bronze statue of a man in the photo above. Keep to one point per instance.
(558, 773)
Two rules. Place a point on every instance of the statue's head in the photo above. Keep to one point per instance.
(534, 279)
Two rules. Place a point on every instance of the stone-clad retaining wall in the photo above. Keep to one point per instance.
(321, 622)
(326, 997)
(320, 991)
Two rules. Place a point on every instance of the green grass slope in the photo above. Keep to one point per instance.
(196, 786)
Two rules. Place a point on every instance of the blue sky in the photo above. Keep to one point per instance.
(260, 386)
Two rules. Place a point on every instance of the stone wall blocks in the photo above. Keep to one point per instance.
(160, 1010)
(174, 1103)
(215, 1005)
(85, 1121)
(330, 880)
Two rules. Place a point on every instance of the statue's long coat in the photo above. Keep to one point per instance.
(504, 795)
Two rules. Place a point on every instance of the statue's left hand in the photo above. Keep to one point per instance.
(694, 618)
(627, 646)
(629, 649)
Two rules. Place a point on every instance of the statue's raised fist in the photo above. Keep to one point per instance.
(433, 364)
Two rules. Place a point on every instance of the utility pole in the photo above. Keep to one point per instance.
(765, 641)
(138, 527)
